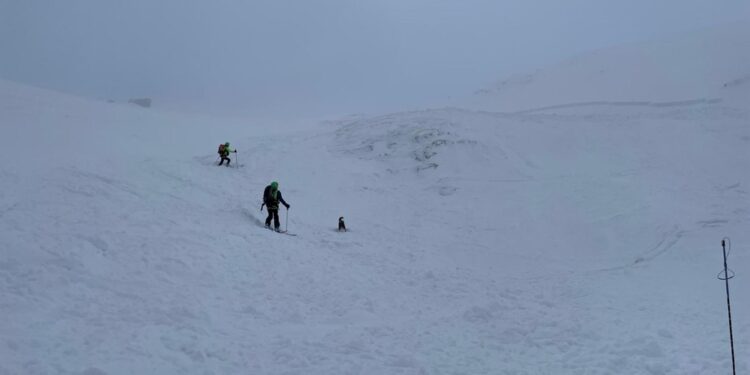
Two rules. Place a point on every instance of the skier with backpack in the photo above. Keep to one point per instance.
(224, 151)
(271, 198)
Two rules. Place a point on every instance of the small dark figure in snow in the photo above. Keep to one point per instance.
(224, 151)
(342, 226)
(271, 198)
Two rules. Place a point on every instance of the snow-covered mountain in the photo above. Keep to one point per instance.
(700, 66)
(568, 240)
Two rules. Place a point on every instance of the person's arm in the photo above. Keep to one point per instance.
(281, 199)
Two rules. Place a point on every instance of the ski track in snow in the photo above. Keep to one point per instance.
(480, 243)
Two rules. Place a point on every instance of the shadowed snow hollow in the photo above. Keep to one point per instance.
(414, 142)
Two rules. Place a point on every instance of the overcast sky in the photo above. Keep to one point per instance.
(317, 56)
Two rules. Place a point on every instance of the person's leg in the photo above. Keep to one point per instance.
(276, 222)
(228, 161)
(270, 216)
(222, 161)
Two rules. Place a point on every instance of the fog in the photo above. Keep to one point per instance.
(317, 57)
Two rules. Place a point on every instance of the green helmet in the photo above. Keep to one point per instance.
(274, 185)
(226, 144)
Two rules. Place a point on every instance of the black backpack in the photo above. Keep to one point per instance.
(267, 195)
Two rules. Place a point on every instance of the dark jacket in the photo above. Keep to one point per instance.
(272, 200)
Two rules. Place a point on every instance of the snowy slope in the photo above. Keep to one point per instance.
(543, 242)
(700, 66)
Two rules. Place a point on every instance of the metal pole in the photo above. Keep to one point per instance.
(729, 307)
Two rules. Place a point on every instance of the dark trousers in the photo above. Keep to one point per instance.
(225, 158)
(273, 213)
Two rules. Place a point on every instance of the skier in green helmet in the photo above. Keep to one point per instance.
(224, 151)
(271, 198)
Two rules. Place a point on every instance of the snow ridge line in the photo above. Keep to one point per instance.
(455, 110)
(679, 103)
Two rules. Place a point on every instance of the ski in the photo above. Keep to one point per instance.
(281, 232)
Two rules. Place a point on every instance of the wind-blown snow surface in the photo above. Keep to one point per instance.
(555, 242)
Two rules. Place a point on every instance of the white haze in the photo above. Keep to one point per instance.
(316, 57)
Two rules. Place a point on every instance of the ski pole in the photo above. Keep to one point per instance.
(725, 276)
(287, 220)
(237, 158)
